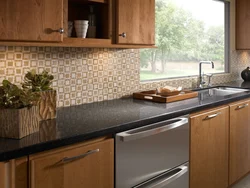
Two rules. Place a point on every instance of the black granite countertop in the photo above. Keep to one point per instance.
(78, 123)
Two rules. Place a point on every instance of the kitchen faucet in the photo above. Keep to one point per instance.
(201, 81)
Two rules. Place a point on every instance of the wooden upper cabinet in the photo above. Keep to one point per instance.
(80, 166)
(14, 173)
(31, 20)
(239, 140)
(209, 148)
(242, 24)
(135, 22)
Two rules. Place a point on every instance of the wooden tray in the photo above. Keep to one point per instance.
(151, 96)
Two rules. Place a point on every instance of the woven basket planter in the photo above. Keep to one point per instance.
(18, 123)
(47, 105)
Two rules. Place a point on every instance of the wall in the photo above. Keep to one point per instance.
(85, 75)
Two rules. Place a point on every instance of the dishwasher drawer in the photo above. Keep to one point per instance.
(174, 178)
(149, 151)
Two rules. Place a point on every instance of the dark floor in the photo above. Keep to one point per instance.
(244, 183)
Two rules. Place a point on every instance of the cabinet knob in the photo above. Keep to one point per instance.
(61, 30)
(123, 35)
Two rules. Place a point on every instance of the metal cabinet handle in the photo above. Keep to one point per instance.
(212, 116)
(151, 130)
(61, 30)
(70, 159)
(123, 35)
(165, 178)
(241, 106)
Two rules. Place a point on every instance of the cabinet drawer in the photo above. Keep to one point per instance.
(85, 166)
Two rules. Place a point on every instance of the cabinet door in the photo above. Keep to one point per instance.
(242, 24)
(239, 140)
(209, 148)
(85, 166)
(14, 173)
(31, 20)
(136, 20)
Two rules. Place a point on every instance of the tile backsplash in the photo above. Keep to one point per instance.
(85, 75)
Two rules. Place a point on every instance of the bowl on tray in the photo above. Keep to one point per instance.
(168, 91)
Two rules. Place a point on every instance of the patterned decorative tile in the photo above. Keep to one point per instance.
(85, 75)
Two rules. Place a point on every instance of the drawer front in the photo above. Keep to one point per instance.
(87, 166)
(140, 157)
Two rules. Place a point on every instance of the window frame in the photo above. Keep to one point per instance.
(226, 47)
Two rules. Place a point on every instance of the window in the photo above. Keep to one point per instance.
(187, 32)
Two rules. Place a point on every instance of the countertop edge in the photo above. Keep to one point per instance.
(45, 146)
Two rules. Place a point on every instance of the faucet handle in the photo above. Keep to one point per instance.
(209, 79)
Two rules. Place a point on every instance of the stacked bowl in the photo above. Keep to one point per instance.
(81, 27)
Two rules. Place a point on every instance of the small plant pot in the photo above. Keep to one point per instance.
(18, 123)
(47, 105)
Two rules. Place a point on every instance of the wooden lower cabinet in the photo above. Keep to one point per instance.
(14, 173)
(239, 140)
(83, 165)
(209, 148)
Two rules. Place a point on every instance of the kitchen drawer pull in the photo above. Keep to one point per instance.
(70, 159)
(241, 106)
(152, 129)
(123, 35)
(164, 179)
(212, 116)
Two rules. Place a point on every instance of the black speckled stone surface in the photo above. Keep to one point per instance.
(78, 123)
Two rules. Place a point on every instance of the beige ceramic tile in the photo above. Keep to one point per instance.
(84, 75)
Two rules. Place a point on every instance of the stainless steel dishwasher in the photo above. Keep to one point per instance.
(154, 156)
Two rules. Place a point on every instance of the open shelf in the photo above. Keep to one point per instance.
(80, 10)
(79, 42)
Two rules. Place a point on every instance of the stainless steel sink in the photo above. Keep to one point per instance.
(220, 91)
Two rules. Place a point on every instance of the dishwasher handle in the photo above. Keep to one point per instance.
(165, 178)
(152, 129)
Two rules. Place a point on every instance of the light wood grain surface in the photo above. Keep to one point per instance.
(95, 170)
(209, 149)
(31, 20)
(242, 24)
(14, 173)
(138, 22)
(78, 42)
(239, 140)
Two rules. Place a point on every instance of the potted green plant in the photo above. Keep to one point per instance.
(18, 113)
(41, 83)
